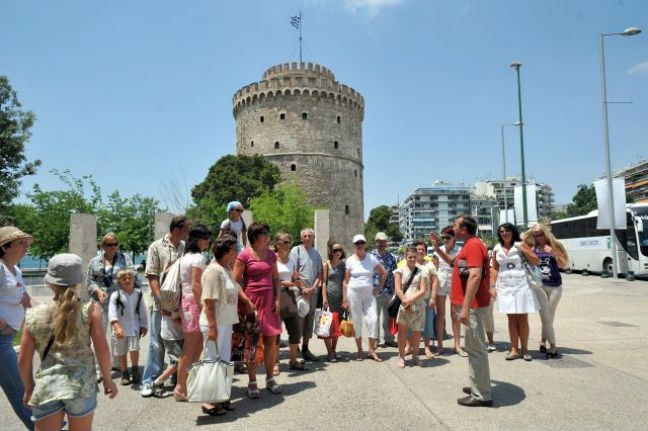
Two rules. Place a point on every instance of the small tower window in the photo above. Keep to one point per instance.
(251, 143)
(338, 119)
(355, 172)
(261, 119)
(346, 210)
(304, 116)
(293, 167)
(282, 116)
(276, 145)
(336, 145)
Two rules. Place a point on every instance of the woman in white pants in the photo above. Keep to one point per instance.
(359, 294)
(552, 256)
(219, 299)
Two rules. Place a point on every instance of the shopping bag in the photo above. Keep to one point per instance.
(322, 323)
(346, 326)
(393, 326)
(209, 380)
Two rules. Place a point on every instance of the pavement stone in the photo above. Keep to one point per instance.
(600, 383)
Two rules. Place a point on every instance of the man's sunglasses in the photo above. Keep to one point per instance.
(111, 244)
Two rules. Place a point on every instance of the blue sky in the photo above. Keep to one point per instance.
(138, 94)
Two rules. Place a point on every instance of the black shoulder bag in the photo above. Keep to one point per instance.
(395, 302)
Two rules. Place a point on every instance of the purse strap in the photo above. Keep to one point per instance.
(206, 355)
(409, 281)
(47, 349)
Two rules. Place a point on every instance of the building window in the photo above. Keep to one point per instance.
(251, 143)
(261, 119)
(304, 116)
(335, 145)
(355, 172)
(282, 116)
(346, 210)
(276, 145)
(293, 167)
(338, 119)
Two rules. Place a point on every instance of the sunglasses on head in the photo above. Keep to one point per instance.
(111, 244)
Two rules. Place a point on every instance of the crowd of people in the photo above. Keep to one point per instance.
(252, 287)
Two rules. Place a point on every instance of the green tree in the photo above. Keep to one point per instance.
(14, 133)
(284, 209)
(379, 222)
(583, 201)
(231, 178)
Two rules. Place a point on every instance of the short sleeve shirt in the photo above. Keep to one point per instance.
(219, 285)
(257, 274)
(187, 263)
(388, 261)
(473, 255)
(415, 286)
(12, 290)
(361, 272)
(308, 263)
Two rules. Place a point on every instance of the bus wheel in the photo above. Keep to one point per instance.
(607, 265)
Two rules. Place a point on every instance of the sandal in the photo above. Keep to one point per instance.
(543, 348)
(375, 357)
(273, 386)
(511, 356)
(401, 362)
(552, 355)
(429, 354)
(417, 361)
(228, 405)
(461, 352)
(253, 390)
(527, 357)
(360, 356)
(217, 410)
(296, 365)
(331, 357)
(276, 371)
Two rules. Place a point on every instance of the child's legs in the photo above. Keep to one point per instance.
(122, 363)
(50, 423)
(81, 424)
(134, 358)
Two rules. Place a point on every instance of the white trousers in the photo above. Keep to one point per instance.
(549, 297)
(363, 308)
(223, 341)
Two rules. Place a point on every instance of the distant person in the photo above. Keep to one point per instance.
(309, 268)
(60, 332)
(411, 285)
(234, 223)
(256, 269)
(334, 270)
(384, 296)
(127, 315)
(515, 296)
(101, 281)
(470, 282)
(161, 254)
(553, 256)
(359, 295)
(444, 275)
(14, 299)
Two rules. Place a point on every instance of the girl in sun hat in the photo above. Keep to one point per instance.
(60, 331)
(13, 301)
(234, 223)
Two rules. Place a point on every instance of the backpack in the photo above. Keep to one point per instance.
(170, 289)
(120, 304)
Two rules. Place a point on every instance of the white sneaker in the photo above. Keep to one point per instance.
(491, 347)
(146, 391)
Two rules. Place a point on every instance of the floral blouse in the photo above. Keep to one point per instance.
(68, 371)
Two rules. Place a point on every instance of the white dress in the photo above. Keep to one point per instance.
(514, 295)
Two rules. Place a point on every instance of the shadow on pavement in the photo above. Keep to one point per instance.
(244, 407)
(506, 394)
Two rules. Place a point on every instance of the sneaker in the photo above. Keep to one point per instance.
(146, 391)
(491, 347)
(158, 389)
(99, 377)
(135, 375)
(125, 378)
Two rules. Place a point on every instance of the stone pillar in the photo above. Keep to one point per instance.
(162, 222)
(322, 232)
(83, 242)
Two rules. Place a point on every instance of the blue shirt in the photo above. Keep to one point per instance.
(388, 261)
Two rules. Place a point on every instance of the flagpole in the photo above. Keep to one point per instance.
(300, 37)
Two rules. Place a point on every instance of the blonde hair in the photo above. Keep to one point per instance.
(65, 316)
(124, 272)
(107, 237)
(561, 254)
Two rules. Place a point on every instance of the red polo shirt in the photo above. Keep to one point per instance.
(475, 255)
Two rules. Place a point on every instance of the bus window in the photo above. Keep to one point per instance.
(630, 244)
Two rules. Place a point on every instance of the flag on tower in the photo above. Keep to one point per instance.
(295, 21)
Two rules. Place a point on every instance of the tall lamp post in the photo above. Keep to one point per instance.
(525, 218)
(631, 31)
(517, 123)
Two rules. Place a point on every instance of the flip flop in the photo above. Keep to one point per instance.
(461, 353)
(375, 357)
(510, 356)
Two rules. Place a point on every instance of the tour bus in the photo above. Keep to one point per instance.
(591, 249)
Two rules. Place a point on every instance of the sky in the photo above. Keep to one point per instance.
(139, 94)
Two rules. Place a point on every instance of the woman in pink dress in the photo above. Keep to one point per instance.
(255, 270)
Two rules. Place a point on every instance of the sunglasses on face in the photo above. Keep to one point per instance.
(286, 241)
(111, 244)
(359, 243)
(538, 235)
(238, 210)
(504, 231)
(446, 237)
(125, 277)
(337, 250)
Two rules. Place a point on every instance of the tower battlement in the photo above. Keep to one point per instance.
(304, 69)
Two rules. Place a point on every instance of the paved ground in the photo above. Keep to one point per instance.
(601, 382)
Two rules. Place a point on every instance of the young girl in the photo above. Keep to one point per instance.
(60, 331)
(234, 223)
(127, 314)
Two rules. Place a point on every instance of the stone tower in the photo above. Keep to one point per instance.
(309, 125)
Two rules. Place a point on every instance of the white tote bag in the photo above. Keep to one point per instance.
(209, 380)
(322, 323)
(170, 289)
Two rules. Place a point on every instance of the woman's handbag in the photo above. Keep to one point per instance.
(322, 323)
(170, 288)
(209, 380)
(303, 306)
(395, 303)
(533, 274)
(346, 327)
(288, 307)
(245, 337)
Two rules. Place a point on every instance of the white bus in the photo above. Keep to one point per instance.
(591, 249)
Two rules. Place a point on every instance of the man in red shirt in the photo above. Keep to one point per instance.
(470, 284)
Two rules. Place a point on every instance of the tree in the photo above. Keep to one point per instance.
(14, 133)
(231, 178)
(379, 222)
(284, 209)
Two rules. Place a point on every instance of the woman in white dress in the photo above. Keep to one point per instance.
(515, 296)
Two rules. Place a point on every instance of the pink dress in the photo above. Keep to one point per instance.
(257, 277)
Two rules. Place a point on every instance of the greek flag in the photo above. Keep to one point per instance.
(295, 21)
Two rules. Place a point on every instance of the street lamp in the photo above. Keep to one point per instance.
(517, 123)
(525, 219)
(631, 31)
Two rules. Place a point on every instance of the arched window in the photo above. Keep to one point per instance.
(355, 172)
(346, 210)
(293, 167)
(282, 116)
(336, 145)
(304, 116)
(261, 119)
(251, 143)
(276, 145)
(338, 119)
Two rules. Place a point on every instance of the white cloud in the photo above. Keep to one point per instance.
(373, 7)
(639, 69)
